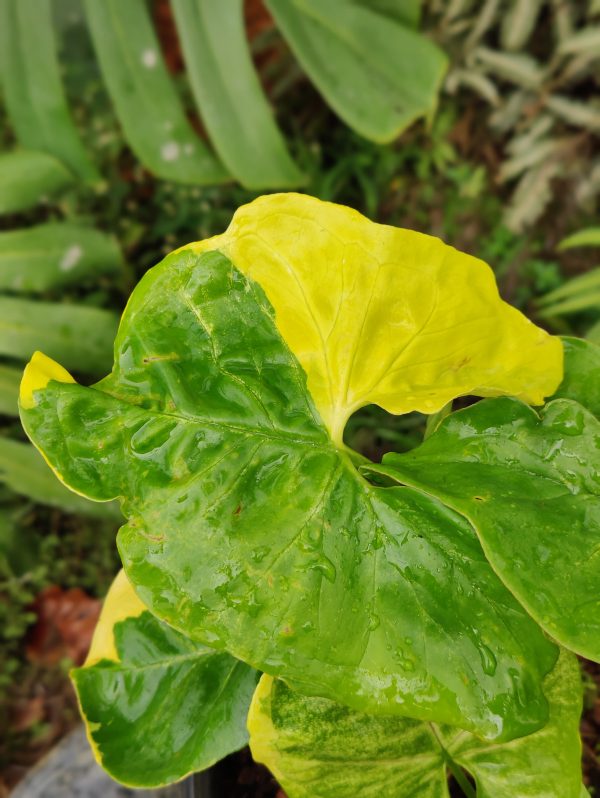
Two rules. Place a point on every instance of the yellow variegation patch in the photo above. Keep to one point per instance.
(38, 373)
(378, 314)
(121, 602)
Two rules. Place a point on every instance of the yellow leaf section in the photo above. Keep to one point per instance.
(38, 373)
(263, 736)
(121, 602)
(378, 314)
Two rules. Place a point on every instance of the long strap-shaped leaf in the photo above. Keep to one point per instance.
(229, 94)
(50, 255)
(144, 97)
(28, 177)
(377, 74)
(32, 87)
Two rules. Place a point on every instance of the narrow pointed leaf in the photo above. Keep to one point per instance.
(530, 485)
(32, 86)
(319, 749)
(145, 100)
(28, 177)
(158, 706)
(79, 336)
(377, 74)
(577, 288)
(250, 529)
(229, 95)
(589, 237)
(40, 258)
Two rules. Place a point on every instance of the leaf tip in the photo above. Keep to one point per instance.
(38, 373)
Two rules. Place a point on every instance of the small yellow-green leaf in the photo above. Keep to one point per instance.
(319, 749)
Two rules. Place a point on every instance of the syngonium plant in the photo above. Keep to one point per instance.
(412, 618)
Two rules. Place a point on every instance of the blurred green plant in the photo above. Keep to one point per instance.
(368, 61)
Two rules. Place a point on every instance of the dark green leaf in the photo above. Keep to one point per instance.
(10, 377)
(168, 707)
(582, 374)
(530, 484)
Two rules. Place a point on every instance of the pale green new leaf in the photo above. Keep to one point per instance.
(377, 74)
(32, 86)
(28, 177)
(229, 95)
(40, 258)
(24, 471)
(530, 485)
(79, 336)
(145, 100)
(158, 706)
(319, 749)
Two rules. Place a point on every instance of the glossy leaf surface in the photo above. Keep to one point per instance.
(78, 336)
(377, 314)
(28, 177)
(319, 749)
(376, 73)
(158, 706)
(145, 100)
(251, 531)
(32, 86)
(581, 381)
(24, 472)
(530, 485)
(50, 255)
(229, 95)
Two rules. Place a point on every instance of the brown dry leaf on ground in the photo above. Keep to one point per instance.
(65, 625)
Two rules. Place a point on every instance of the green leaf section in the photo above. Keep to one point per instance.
(229, 95)
(79, 336)
(10, 377)
(23, 471)
(28, 177)
(250, 531)
(144, 96)
(51, 255)
(167, 708)
(581, 381)
(319, 749)
(375, 72)
(33, 91)
(529, 483)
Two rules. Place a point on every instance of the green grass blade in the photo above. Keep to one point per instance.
(589, 281)
(79, 337)
(145, 99)
(10, 379)
(377, 74)
(589, 237)
(229, 95)
(28, 177)
(24, 471)
(33, 90)
(586, 301)
(51, 255)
